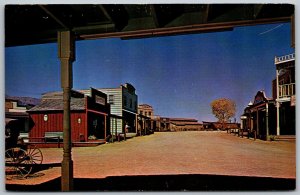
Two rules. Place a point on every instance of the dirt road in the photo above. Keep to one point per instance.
(183, 153)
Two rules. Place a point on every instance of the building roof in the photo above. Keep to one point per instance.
(59, 95)
(181, 123)
(57, 105)
(145, 106)
(183, 120)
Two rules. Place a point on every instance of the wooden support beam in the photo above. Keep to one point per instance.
(67, 56)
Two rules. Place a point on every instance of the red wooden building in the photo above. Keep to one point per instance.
(89, 119)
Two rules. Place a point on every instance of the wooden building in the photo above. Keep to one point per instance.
(284, 92)
(146, 119)
(16, 108)
(89, 118)
(260, 116)
(219, 126)
(185, 124)
(123, 104)
(163, 124)
(144, 125)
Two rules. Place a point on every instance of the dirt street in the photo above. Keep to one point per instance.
(183, 153)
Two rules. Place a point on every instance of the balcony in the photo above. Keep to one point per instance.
(283, 59)
(287, 90)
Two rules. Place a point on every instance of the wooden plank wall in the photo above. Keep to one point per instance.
(55, 124)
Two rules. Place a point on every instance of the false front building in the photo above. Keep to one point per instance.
(89, 118)
(260, 116)
(146, 123)
(123, 108)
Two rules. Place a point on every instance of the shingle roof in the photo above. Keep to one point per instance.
(57, 104)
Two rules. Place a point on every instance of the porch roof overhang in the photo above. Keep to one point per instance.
(35, 24)
(261, 105)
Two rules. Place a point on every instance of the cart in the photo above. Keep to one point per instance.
(20, 157)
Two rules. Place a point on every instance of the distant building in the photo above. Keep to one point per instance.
(146, 122)
(185, 124)
(163, 124)
(177, 124)
(207, 125)
(16, 110)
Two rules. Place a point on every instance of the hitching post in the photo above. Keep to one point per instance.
(67, 56)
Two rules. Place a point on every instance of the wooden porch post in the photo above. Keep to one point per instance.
(105, 126)
(277, 103)
(67, 56)
(267, 121)
(257, 122)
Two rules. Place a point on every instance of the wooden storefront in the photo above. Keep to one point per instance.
(89, 119)
(260, 116)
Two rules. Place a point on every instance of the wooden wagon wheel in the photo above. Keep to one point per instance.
(35, 154)
(18, 162)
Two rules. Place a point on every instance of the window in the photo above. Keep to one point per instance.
(141, 112)
(130, 103)
(111, 99)
(150, 113)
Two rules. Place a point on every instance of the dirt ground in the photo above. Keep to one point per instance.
(176, 153)
(183, 153)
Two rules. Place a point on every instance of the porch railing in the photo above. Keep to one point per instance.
(285, 58)
(287, 90)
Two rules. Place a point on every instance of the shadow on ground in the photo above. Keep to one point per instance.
(168, 183)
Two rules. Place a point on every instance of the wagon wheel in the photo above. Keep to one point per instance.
(18, 162)
(35, 154)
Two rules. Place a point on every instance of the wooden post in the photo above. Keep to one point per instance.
(267, 121)
(67, 56)
(105, 126)
(257, 122)
(277, 103)
(116, 128)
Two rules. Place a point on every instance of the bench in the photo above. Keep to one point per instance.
(54, 136)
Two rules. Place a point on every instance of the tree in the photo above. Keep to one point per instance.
(223, 109)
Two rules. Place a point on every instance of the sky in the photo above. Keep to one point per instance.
(178, 75)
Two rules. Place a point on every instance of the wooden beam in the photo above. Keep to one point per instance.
(197, 28)
(257, 8)
(105, 13)
(154, 16)
(205, 16)
(53, 16)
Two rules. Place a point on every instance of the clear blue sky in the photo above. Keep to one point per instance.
(178, 75)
